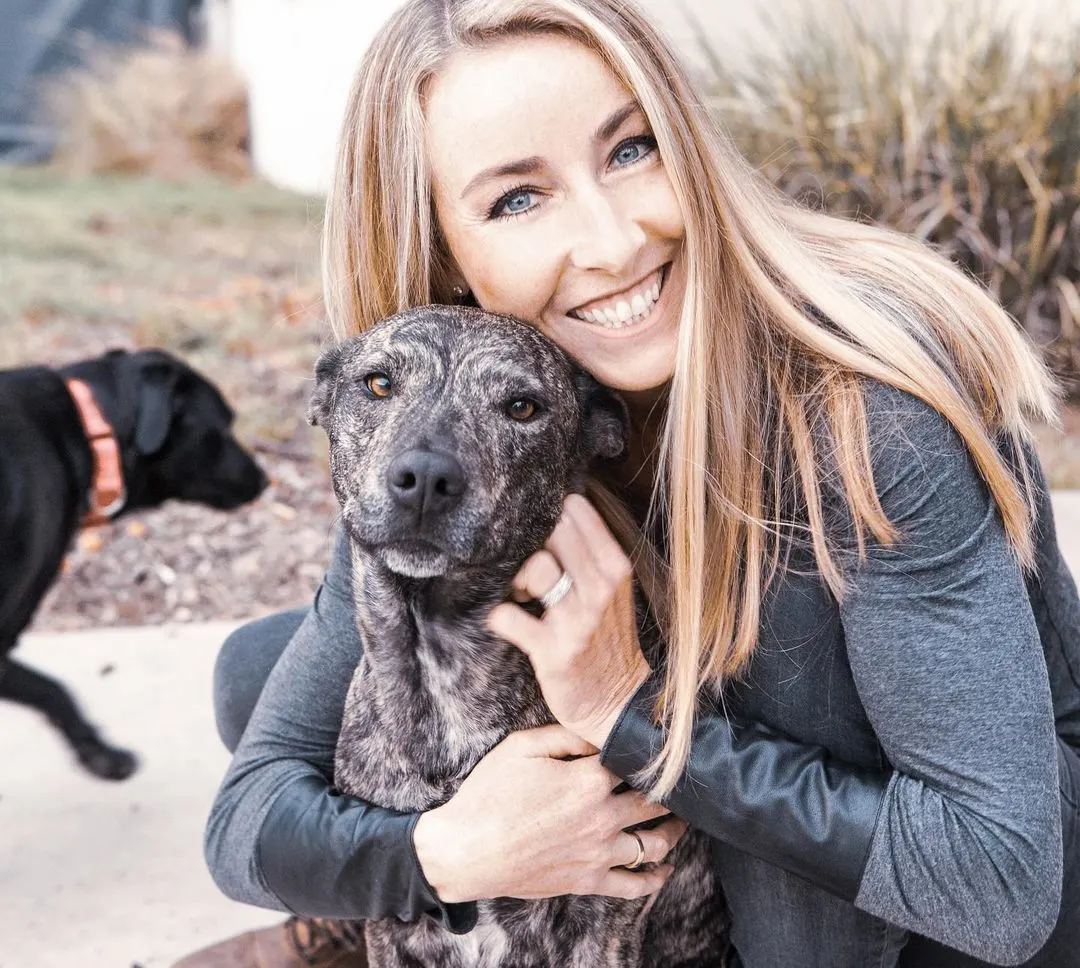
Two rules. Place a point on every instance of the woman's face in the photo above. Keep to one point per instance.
(556, 207)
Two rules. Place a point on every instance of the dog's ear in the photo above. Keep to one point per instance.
(157, 404)
(605, 421)
(327, 370)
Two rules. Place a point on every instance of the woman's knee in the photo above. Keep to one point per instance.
(242, 667)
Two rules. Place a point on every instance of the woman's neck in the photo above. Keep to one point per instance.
(637, 475)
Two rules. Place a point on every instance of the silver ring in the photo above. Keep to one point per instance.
(558, 591)
(640, 859)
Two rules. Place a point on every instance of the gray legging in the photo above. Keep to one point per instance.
(251, 651)
(242, 667)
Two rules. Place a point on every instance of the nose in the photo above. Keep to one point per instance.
(426, 481)
(608, 238)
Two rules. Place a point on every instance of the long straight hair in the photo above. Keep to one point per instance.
(786, 312)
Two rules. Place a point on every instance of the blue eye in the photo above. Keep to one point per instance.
(518, 202)
(633, 150)
(514, 202)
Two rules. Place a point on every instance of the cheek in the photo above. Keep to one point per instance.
(657, 207)
(511, 269)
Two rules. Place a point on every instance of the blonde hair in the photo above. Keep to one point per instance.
(786, 312)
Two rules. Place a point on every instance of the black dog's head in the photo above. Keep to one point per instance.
(455, 435)
(174, 430)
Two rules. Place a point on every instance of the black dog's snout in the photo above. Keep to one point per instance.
(426, 481)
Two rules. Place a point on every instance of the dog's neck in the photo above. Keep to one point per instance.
(464, 593)
(405, 621)
(108, 494)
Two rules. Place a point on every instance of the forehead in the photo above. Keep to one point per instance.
(441, 345)
(507, 100)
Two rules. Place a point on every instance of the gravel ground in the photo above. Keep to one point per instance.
(185, 563)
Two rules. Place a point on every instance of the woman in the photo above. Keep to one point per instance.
(830, 454)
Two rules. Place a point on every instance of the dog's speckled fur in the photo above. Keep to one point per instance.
(435, 691)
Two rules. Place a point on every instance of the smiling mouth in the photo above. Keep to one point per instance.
(627, 309)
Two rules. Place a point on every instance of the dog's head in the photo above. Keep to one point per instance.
(174, 429)
(455, 434)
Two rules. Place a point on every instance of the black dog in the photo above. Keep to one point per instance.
(161, 429)
(455, 436)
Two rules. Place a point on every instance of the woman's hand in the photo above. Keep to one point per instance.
(529, 823)
(584, 651)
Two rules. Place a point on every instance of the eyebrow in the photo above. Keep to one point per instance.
(531, 165)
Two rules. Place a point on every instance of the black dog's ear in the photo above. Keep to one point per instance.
(605, 421)
(327, 370)
(157, 399)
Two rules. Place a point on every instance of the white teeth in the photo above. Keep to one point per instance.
(623, 313)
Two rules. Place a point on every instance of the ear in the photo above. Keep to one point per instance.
(327, 371)
(157, 398)
(605, 421)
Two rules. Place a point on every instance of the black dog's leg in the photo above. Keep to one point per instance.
(24, 685)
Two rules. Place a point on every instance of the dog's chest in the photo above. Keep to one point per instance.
(425, 704)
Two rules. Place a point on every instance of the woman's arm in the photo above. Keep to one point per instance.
(278, 835)
(966, 845)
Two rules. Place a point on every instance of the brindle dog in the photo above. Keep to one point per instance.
(454, 437)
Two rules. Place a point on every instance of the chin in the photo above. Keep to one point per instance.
(649, 369)
(428, 563)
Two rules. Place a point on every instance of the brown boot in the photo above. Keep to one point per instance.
(295, 943)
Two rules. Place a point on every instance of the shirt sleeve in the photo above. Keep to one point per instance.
(279, 835)
(961, 842)
(948, 662)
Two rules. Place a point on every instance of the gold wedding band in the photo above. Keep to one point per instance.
(558, 591)
(640, 859)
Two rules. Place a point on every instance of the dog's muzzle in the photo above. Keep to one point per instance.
(427, 483)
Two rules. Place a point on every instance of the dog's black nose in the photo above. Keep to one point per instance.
(426, 481)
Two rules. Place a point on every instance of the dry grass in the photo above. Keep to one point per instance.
(164, 109)
(948, 127)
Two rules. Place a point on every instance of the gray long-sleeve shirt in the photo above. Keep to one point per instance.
(935, 667)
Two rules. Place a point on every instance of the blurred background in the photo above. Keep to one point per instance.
(161, 170)
(165, 161)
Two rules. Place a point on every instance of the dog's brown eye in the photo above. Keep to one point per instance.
(521, 409)
(378, 384)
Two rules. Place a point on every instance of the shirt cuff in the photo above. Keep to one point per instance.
(457, 918)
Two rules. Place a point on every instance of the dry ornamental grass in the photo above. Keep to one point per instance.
(161, 109)
(953, 126)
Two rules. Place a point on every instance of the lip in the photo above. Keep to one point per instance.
(629, 332)
(621, 292)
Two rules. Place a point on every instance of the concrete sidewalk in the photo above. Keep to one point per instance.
(111, 875)
(100, 875)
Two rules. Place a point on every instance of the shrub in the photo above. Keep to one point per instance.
(960, 130)
(163, 109)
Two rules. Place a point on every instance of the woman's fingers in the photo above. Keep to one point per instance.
(656, 844)
(632, 808)
(513, 623)
(619, 882)
(592, 529)
(571, 549)
(538, 575)
(554, 741)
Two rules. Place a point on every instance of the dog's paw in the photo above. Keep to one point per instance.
(108, 763)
